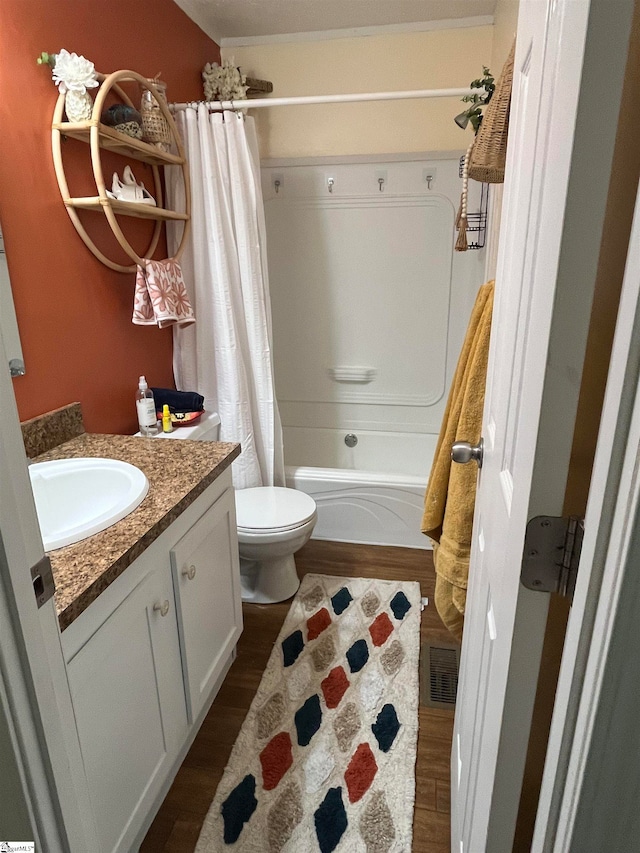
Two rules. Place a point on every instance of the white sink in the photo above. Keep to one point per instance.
(76, 498)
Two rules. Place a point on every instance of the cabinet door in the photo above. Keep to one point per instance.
(126, 686)
(206, 577)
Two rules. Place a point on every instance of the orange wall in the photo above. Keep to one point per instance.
(74, 313)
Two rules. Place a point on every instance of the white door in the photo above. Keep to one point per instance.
(570, 55)
(591, 768)
(33, 689)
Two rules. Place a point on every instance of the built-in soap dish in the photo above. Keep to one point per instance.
(353, 374)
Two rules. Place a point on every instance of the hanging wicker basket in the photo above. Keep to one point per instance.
(489, 152)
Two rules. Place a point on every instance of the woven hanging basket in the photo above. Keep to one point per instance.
(489, 152)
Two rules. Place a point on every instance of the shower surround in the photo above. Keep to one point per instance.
(369, 305)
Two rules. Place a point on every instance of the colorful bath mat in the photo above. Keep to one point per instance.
(325, 759)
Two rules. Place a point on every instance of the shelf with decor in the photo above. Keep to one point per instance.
(112, 140)
(126, 208)
(101, 137)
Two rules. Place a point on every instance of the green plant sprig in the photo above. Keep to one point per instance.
(479, 100)
(46, 59)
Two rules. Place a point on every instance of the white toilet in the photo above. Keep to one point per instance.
(273, 523)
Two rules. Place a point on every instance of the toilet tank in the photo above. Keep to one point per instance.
(207, 429)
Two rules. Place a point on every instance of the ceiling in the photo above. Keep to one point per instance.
(236, 19)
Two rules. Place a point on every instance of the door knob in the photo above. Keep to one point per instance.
(463, 452)
(190, 572)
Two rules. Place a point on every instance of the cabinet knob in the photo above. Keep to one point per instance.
(190, 572)
(163, 608)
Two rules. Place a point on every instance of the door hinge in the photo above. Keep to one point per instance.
(552, 548)
(42, 578)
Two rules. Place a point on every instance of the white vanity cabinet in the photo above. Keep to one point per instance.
(206, 573)
(129, 705)
(147, 657)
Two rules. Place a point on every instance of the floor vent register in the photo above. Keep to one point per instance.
(439, 675)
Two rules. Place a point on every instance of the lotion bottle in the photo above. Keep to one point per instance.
(147, 419)
(167, 425)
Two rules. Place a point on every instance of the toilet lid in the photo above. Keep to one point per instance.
(273, 508)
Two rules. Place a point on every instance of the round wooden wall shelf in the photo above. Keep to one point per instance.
(99, 137)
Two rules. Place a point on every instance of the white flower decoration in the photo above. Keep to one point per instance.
(223, 82)
(73, 73)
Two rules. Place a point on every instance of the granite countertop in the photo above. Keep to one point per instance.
(178, 471)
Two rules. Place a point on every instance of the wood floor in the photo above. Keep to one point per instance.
(177, 825)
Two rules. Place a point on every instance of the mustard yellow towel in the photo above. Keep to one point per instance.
(451, 492)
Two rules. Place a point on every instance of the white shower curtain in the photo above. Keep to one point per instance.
(227, 355)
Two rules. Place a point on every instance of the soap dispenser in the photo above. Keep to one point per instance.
(145, 404)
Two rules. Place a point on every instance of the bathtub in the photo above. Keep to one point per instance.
(370, 305)
(359, 505)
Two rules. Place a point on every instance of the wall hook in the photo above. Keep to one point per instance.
(381, 184)
(330, 183)
(276, 184)
(428, 179)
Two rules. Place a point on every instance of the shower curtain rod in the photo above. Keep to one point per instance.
(256, 103)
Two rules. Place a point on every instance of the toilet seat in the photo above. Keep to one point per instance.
(273, 509)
